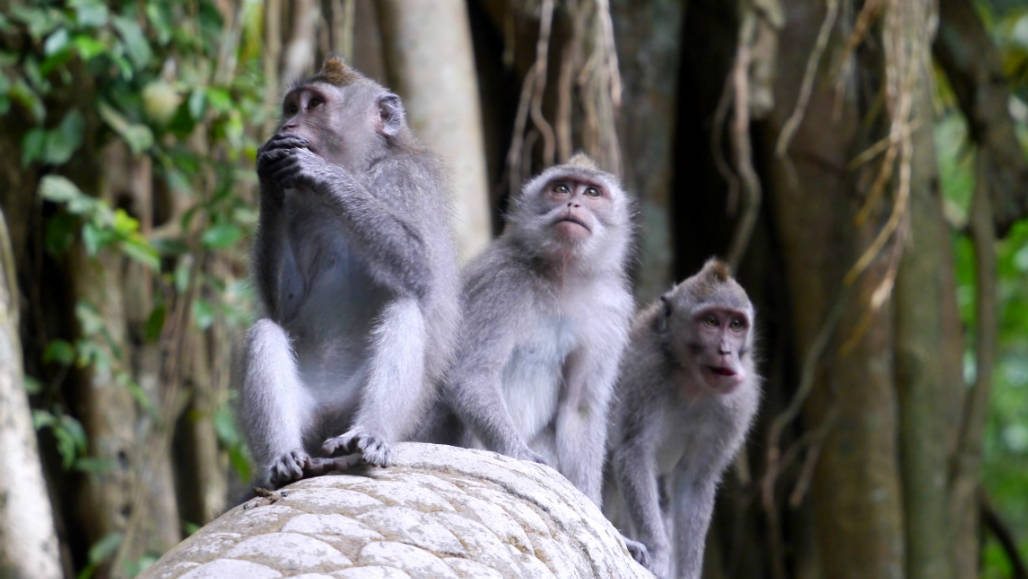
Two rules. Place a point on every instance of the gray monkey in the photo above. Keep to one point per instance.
(547, 308)
(687, 394)
(356, 271)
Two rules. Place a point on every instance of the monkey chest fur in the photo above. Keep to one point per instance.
(326, 297)
(534, 374)
(698, 434)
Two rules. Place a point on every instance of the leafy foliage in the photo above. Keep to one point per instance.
(173, 82)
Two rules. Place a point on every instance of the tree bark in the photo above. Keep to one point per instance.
(28, 540)
(428, 55)
(928, 372)
(855, 487)
(648, 38)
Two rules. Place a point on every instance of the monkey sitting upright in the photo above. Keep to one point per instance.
(547, 308)
(356, 271)
(685, 400)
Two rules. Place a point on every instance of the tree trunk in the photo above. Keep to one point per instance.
(929, 377)
(648, 39)
(28, 541)
(428, 56)
(855, 489)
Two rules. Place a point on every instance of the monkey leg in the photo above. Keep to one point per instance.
(274, 405)
(396, 392)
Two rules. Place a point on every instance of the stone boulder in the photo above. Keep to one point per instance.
(438, 511)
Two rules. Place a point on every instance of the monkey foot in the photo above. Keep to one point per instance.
(372, 449)
(288, 467)
(638, 551)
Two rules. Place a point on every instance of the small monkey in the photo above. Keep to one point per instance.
(356, 271)
(687, 394)
(546, 315)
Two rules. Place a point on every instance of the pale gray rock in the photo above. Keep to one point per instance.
(438, 511)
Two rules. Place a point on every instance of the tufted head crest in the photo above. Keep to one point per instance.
(335, 71)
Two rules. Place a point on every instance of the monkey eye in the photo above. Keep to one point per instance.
(561, 188)
(737, 324)
(289, 109)
(592, 192)
(315, 102)
(711, 321)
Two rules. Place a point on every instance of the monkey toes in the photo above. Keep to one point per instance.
(288, 467)
(638, 552)
(374, 450)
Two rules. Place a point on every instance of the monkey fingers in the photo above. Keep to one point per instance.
(288, 467)
(638, 551)
(372, 448)
(285, 141)
(290, 167)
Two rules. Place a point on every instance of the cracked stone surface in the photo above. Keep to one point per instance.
(438, 511)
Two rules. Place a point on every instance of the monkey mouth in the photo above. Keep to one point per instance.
(572, 219)
(721, 371)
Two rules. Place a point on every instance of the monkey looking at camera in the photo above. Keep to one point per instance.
(356, 271)
(686, 396)
(546, 313)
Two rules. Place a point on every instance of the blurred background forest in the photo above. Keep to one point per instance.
(861, 163)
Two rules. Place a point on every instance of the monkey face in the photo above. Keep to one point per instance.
(347, 125)
(572, 207)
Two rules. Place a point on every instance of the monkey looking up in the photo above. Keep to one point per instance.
(546, 313)
(687, 394)
(356, 271)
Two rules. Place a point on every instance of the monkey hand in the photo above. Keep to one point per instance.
(638, 551)
(270, 155)
(289, 161)
(288, 467)
(373, 449)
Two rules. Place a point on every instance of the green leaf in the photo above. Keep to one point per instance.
(105, 548)
(61, 230)
(22, 94)
(138, 137)
(196, 104)
(182, 273)
(42, 419)
(39, 21)
(63, 141)
(139, 250)
(155, 323)
(59, 351)
(203, 314)
(32, 385)
(219, 99)
(92, 238)
(136, 46)
(222, 235)
(32, 146)
(160, 21)
(90, 13)
(124, 223)
(59, 189)
(56, 42)
(88, 47)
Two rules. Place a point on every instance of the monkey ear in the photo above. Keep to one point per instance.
(391, 116)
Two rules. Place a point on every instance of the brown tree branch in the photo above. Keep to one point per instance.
(992, 521)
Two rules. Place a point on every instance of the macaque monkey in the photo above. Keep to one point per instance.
(356, 270)
(685, 399)
(546, 314)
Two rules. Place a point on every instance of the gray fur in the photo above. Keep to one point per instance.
(545, 322)
(356, 272)
(670, 429)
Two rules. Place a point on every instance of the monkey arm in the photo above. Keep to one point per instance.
(384, 220)
(494, 297)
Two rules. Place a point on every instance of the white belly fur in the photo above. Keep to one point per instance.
(533, 377)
